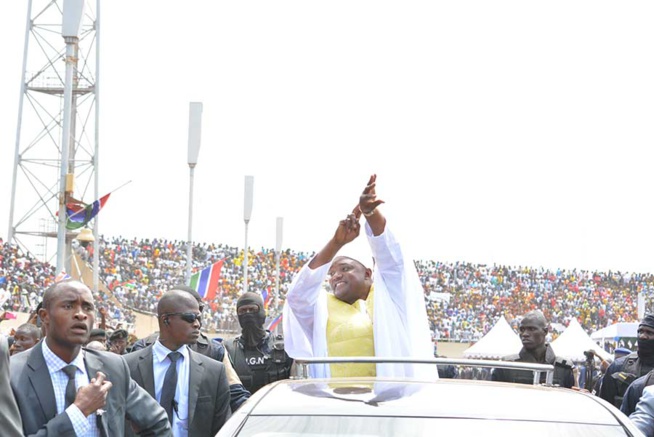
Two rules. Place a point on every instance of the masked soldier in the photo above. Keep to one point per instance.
(257, 355)
(627, 369)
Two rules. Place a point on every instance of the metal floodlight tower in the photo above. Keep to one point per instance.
(56, 147)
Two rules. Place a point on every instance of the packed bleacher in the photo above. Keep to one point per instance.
(139, 271)
(480, 294)
(463, 300)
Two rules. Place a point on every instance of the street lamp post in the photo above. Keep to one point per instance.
(194, 137)
(247, 214)
(278, 249)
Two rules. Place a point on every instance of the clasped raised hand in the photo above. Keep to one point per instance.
(348, 228)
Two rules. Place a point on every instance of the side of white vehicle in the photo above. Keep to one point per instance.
(403, 407)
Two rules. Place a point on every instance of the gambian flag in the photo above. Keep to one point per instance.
(266, 295)
(78, 214)
(62, 276)
(275, 322)
(205, 282)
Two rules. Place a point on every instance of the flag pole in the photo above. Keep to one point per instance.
(121, 186)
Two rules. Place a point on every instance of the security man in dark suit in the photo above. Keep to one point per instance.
(257, 355)
(533, 331)
(64, 390)
(192, 388)
(212, 349)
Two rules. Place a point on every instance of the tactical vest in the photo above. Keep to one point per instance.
(262, 365)
(632, 369)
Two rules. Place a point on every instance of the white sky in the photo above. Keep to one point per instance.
(515, 132)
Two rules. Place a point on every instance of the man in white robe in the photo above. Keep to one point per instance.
(399, 319)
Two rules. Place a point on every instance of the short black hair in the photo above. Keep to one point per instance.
(170, 300)
(51, 290)
(189, 290)
(96, 332)
(31, 329)
(118, 334)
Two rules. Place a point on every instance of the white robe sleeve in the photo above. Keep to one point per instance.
(305, 318)
(401, 325)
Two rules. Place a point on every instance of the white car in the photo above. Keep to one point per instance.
(403, 407)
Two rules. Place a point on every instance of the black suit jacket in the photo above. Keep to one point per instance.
(208, 390)
(32, 387)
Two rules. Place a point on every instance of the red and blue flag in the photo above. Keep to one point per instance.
(205, 282)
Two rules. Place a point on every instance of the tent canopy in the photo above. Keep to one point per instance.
(616, 331)
(574, 342)
(499, 342)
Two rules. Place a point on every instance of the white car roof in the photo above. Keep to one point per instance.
(443, 398)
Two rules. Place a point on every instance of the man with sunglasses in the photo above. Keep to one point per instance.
(212, 349)
(191, 387)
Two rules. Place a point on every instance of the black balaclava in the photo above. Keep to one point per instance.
(252, 331)
(646, 347)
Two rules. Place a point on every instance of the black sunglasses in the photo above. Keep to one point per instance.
(187, 317)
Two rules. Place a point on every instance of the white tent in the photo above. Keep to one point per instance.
(499, 342)
(574, 342)
(616, 331)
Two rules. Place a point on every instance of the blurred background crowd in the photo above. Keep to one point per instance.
(463, 300)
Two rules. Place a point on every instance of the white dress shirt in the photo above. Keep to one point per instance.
(161, 362)
(83, 426)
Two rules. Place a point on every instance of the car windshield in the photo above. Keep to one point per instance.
(310, 426)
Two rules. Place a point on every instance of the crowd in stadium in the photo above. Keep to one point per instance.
(463, 300)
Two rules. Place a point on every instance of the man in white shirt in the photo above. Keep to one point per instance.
(380, 313)
(191, 387)
(62, 389)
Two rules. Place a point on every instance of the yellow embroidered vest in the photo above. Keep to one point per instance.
(350, 334)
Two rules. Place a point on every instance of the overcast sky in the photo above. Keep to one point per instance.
(510, 132)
